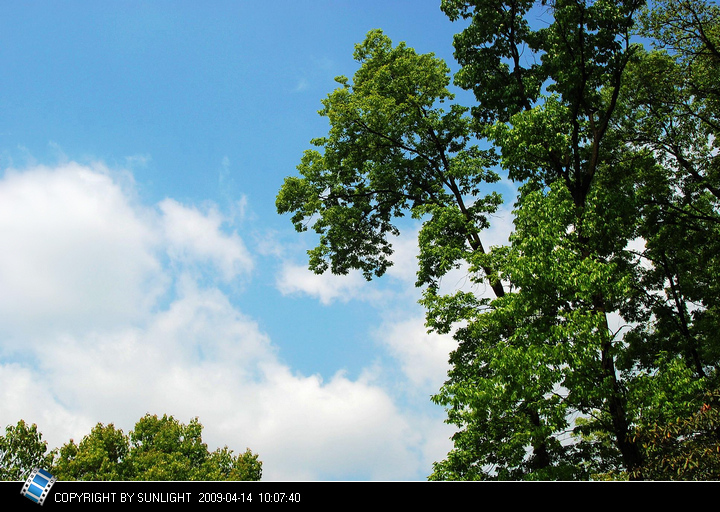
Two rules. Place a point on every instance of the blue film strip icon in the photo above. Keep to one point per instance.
(38, 485)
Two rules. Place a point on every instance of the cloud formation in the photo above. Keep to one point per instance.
(423, 357)
(107, 306)
(77, 252)
(196, 237)
(327, 288)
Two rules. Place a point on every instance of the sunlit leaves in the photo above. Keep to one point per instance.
(157, 449)
(604, 319)
(394, 148)
(21, 450)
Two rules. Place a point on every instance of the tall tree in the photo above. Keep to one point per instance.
(672, 108)
(604, 318)
(550, 343)
(626, 138)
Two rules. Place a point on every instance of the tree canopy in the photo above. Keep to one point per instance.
(157, 449)
(602, 329)
(21, 450)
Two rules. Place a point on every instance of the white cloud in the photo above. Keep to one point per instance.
(196, 237)
(327, 287)
(404, 257)
(501, 226)
(296, 278)
(348, 429)
(83, 339)
(24, 395)
(423, 357)
(203, 358)
(75, 251)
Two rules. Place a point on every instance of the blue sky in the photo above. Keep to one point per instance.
(143, 265)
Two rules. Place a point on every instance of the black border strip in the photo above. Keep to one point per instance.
(293, 495)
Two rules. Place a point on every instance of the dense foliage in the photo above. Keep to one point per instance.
(157, 449)
(21, 450)
(598, 349)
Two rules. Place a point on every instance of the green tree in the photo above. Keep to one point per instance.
(157, 449)
(21, 450)
(548, 346)
(685, 448)
(391, 150)
(673, 103)
(101, 455)
(672, 113)
(604, 316)
(622, 150)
